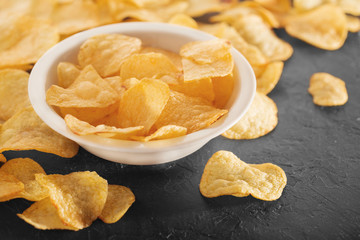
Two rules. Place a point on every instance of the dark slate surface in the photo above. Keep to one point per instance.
(317, 147)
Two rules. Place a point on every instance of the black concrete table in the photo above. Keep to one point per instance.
(319, 149)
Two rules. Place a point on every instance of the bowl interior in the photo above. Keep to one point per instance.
(165, 36)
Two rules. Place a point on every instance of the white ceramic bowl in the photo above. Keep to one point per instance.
(169, 37)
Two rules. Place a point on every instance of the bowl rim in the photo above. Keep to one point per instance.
(37, 91)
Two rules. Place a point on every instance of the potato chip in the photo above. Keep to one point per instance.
(13, 92)
(174, 57)
(2, 157)
(117, 84)
(148, 3)
(200, 7)
(197, 88)
(89, 90)
(223, 88)
(142, 104)
(149, 65)
(165, 132)
(107, 52)
(183, 20)
(67, 74)
(24, 169)
(259, 120)
(327, 90)
(27, 47)
(349, 6)
(10, 186)
(43, 215)
(83, 128)
(205, 59)
(118, 201)
(276, 5)
(226, 174)
(269, 77)
(26, 131)
(189, 112)
(324, 27)
(353, 23)
(79, 196)
(305, 5)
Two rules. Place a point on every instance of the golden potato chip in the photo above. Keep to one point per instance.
(223, 88)
(117, 84)
(197, 88)
(305, 5)
(79, 196)
(203, 59)
(269, 77)
(43, 215)
(349, 6)
(200, 7)
(327, 90)
(27, 47)
(118, 201)
(165, 132)
(88, 90)
(324, 27)
(107, 52)
(353, 23)
(142, 104)
(276, 5)
(13, 92)
(226, 174)
(83, 128)
(189, 112)
(183, 20)
(26, 131)
(259, 120)
(10, 186)
(2, 157)
(75, 16)
(149, 65)
(67, 73)
(25, 169)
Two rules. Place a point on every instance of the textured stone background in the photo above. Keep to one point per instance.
(319, 149)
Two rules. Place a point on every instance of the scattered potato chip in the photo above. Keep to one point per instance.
(26, 131)
(25, 169)
(165, 132)
(259, 120)
(67, 74)
(353, 23)
(226, 174)
(223, 88)
(183, 20)
(107, 52)
(174, 57)
(43, 215)
(13, 92)
(118, 201)
(10, 186)
(189, 112)
(205, 59)
(142, 104)
(79, 196)
(200, 7)
(327, 90)
(324, 27)
(269, 77)
(149, 65)
(89, 90)
(197, 88)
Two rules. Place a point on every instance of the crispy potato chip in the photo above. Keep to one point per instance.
(107, 52)
(83, 128)
(200, 7)
(353, 23)
(43, 215)
(10, 186)
(143, 103)
(26, 131)
(118, 201)
(324, 27)
(276, 5)
(259, 120)
(149, 65)
(25, 169)
(165, 132)
(203, 59)
(27, 47)
(197, 88)
(226, 174)
(88, 90)
(79, 196)
(305, 5)
(189, 112)
(13, 92)
(223, 88)
(174, 57)
(327, 90)
(148, 3)
(269, 77)
(349, 6)
(67, 74)
(2, 157)
(183, 20)
(117, 84)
